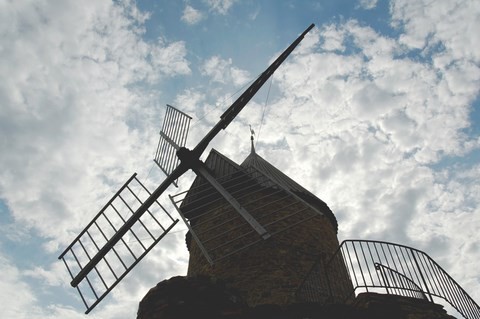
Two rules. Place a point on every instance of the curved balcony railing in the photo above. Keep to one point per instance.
(396, 283)
(377, 266)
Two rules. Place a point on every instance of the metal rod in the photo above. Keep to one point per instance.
(131, 210)
(123, 241)
(150, 213)
(223, 244)
(194, 235)
(123, 220)
(421, 275)
(226, 221)
(202, 171)
(431, 279)
(368, 268)
(427, 275)
(236, 251)
(83, 298)
(373, 261)
(402, 249)
(359, 264)
(179, 111)
(105, 259)
(113, 248)
(170, 141)
(218, 235)
(294, 224)
(351, 264)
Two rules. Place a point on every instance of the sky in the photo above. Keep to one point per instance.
(377, 112)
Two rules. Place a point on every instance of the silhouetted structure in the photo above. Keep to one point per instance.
(302, 227)
(260, 244)
(301, 270)
(100, 256)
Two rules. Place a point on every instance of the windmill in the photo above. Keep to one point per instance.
(113, 243)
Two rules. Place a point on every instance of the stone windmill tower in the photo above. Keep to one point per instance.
(222, 245)
(133, 221)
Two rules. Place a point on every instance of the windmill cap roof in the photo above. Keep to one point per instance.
(221, 166)
(256, 161)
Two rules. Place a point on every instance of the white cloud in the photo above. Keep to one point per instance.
(450, 23)
(76, 123)
(215, 67)
(375, 82)
(333, 38)
(189, 101)
(368, 4)
(11, 283)
(170, 59)
(220, 6)
(372, 122)
(20, 298)
(191, 15)
(239, 76)
(362, 128)
(254, 14)
(222, 71)
(55, 276)
(66, 100)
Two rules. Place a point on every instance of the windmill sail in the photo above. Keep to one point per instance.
(123, 256)
(219, 230)
(88, 266)
(173, 136)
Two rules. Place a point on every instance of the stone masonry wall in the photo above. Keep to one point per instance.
(203, 297)
(399, 307)
(271, 272)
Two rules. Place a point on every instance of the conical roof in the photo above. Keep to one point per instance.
(220, 166)
(256, 161)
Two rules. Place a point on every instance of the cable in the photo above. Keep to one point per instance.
(264, 109)
(224, 101)
(146, 238)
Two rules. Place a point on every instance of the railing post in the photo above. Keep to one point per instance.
(429, 274)
(421, 275)
(384, 277)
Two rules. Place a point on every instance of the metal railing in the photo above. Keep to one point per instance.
(400, 270)
(399, 284)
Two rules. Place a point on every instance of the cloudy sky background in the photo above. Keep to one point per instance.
(377, 112)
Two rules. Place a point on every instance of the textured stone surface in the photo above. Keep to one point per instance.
(181, 297)
(202, 297)
(399, 307)
(272, 271)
